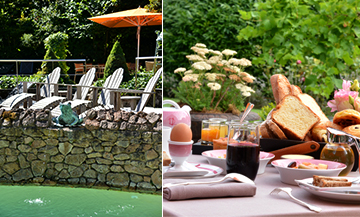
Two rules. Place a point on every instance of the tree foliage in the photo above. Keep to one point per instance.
(215, 23)
(26, 23)
(327, 30)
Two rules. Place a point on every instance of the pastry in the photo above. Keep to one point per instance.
(319, 132)
(347, 117)
(353, 130)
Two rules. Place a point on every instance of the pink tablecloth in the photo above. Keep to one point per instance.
(262, 204)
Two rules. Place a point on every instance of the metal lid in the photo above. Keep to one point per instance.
(339, 137)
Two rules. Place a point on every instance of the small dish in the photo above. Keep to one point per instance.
(192, 171)
(218, 158)
(336, 194)
(288, 175)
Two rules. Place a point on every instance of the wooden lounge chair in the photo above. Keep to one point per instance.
(113, 81)
(84, 85)
(144, 98)
(45, 91)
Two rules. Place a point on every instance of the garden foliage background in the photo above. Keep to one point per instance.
(26, 23)
(315, 43)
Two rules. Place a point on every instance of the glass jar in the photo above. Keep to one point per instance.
(223, 126)
(210, 130)
(338, 149)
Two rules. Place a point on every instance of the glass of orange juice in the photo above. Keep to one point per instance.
(210, 130)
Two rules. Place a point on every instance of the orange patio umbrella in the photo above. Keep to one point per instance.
(136, 17)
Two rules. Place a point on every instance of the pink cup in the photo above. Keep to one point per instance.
(180, 151)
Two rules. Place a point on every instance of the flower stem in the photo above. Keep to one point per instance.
(212, 100)
(221, 97)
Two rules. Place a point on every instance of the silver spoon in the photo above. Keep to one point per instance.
(235, 176)
(247, 110)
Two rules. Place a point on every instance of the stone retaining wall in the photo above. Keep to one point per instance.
(119, 150)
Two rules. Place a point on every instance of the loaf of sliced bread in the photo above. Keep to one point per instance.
(295, 90)
(310, 102)
(294, 117)
(275, 129)
(280, 86)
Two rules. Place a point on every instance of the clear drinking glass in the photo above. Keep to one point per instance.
(243, 149)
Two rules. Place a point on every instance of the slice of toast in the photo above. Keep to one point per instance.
(310, 102)
(166, 159)
(294, 118)
(317, 179)
(275, 129)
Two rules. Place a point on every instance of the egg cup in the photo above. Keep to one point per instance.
(180, 151)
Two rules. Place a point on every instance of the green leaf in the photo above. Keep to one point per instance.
(318, 49)
(278, 39)
(338, 82)
(346, 57)
(311, 79)
(245, 15)
(356, 30)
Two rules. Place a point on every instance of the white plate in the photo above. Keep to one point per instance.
(337, 194)
(211, 170)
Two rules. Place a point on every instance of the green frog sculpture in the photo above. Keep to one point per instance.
(68, 117)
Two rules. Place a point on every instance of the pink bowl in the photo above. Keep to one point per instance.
(217, 158)
(288, 175)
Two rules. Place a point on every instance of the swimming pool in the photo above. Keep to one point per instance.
(43, 201)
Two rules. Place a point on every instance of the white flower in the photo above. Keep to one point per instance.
(214, 60)
(200, 45)
(245, 62)
(179, 70)
(228, 52)
(234, 61)
(214, 86)
(245, 90)
(194, 77)
(186, 78)
(215, 52)
(202, 66)
(210, 76)
(194, 57)
(200, 50)
(188, 72)
(225, 63)
(235, 68)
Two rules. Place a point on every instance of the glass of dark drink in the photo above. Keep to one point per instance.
(242, 155)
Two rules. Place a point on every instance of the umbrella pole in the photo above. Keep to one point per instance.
(137, 60)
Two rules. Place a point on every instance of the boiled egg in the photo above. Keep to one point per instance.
(181, 133)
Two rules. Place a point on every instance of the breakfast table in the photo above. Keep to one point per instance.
(262, 204)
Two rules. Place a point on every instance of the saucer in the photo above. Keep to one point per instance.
(191, 171)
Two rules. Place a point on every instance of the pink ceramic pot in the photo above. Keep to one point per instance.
(175, 115)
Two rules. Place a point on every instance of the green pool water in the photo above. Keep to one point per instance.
(43, 201)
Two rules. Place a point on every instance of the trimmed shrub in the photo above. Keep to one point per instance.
(115, 60)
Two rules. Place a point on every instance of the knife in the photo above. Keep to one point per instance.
(303, 148)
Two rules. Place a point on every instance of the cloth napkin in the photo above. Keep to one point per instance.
(223, 189)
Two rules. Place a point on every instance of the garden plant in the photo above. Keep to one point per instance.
(216, 81)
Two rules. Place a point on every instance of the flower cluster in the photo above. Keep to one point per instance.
(346, 98)
(217, 71)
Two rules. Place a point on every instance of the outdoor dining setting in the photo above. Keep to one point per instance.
(264, 120)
